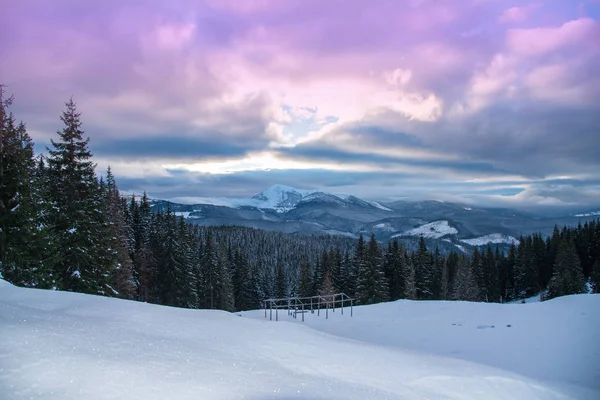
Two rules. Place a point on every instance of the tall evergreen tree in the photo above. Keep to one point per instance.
(306, 284)
(372, 286)
(76, 216)
(409, 275)
(280, 281)
(425, 271)
(568, 275)
(117, 241)
(24, 240)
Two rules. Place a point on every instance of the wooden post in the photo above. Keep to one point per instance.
(302, 312)
(342, 304)
(351, 301)
(276, 314)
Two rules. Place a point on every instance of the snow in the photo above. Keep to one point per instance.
(384, 227)
(184, 214)
(461, 248)
(60, 345)
(494, 238)
(187, 214)
(433, 230)
(281, 198)
(552, 342)
(378, 205)
(590, 214)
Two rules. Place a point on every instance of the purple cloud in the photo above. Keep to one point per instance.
(472, 81)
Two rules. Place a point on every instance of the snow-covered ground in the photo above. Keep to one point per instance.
(494, 238)
(433, 230)
(56, 345)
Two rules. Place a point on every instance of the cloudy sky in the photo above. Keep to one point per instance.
(490, 102)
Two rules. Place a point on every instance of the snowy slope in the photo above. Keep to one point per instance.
(553, 341)
(494, 238)
(433, 230)
(58, 345)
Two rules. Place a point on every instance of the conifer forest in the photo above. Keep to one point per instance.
(63, 227)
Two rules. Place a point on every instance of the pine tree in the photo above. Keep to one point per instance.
(393, 266)
(525, 270)
(306, 284)
(477, 280)
(144, 262)
(424, 271)
(244, 283)
(358, 262)
(76, 216)
(465, 283)
(209, 274)
(280, 281)
(568, 275)
(409, 274)
(117, 241)
(372, 286)
(595, 276)
(24, 238)
(225, 297)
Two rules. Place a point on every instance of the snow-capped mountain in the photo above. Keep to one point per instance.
(288, 209)
(432, 230)
(280, 198)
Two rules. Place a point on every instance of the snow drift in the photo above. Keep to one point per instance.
(57, 345)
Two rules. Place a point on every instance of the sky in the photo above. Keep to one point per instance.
(486, 102)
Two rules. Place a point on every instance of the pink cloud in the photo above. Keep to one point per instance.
(518, 14)
(582, 33)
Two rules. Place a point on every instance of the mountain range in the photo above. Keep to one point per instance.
(290, 210)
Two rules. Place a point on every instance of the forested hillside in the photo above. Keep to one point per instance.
(65, 228)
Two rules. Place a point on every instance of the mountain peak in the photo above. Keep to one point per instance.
(281, 197)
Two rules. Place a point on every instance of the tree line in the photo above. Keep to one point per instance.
(63, 227)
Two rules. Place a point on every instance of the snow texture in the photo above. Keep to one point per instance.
(494, 238)
(60, 345)
(432, 230)
(280, 198)
(590, 214)
(378, 205)
(384, 227)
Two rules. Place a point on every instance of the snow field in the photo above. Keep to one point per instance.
(57, 345)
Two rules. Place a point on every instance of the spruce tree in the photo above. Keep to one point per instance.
(424, 271)
(76, 217)
(358, 263)
(465, 283)
(409, 275)
(24, 239)
(595, 276)
(306, 284)
(372, 286)
(117, 241)
(568, 275)
(144, 262)
(280, 281)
